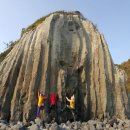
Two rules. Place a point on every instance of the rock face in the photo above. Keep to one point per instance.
(64, 54)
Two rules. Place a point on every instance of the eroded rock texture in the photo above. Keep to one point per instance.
(65, 53)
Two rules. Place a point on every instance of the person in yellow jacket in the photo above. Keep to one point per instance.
(41, 100)
(72, 105)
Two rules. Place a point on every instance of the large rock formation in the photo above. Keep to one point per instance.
(64, 53)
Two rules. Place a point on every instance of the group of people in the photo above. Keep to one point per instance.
(53, 99)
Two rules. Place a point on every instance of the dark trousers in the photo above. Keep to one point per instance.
(39, 109)
(72, 112)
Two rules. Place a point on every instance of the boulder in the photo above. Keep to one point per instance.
(16, 127)
(54, 126)
(34, 127)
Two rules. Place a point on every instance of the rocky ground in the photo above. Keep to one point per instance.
(112, 124)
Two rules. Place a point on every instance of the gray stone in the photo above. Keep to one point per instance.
(65, 127)
(38, 121)
(126, 125)
(68, 123)
(112, 121)
(108, 126)
(20, 123)
(92, 123)
(92, 128)
(111, 128)
(24, 128)
(47, 126)
(85, 128)
(105, 121)
(11, 123)
(54, 127)
(114, 125)
(99, 126)
(3, 127)
(34, 127)
(75, 125)
(4, 122)
(1, 124)
(26, 124)
(61, 125)
(32, 122)
(16, 127)
(126, 129)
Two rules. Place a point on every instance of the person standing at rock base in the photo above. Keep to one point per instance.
(53, 105)
(41, 100)
(72, 105)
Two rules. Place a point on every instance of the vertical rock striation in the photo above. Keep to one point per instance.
(65, 53)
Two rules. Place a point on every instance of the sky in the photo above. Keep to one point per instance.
(112, 18)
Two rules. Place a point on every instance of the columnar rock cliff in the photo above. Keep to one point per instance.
(66, 54)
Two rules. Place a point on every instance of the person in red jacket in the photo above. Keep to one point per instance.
(53, 105)
(53, 99)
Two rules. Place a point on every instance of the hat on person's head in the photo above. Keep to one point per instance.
(41, 93)
(72, 97)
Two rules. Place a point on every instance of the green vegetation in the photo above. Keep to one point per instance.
(40, 20)
(10, 46)
(29, 28)
(34, 25)
(95, 27)
(126, 66)
(37, 22)
(4, 54)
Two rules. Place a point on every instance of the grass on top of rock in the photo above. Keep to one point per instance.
(126, 66)
(34, 25)
(40, 20)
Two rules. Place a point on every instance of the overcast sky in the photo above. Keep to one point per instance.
(111, 16)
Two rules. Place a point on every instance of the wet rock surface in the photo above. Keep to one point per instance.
(112, 124)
